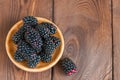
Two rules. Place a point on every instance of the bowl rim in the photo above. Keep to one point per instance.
(34, 69)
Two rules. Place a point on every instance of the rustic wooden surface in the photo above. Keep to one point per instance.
(10, 12)
(116, 39)
(91, 33)
(86, 25)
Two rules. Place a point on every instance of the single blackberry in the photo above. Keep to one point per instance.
(27, 51)
(19, 35)
(43, 30)
(30, 20)
(49, 47)
(50, 26)
(68, 66)
(30, 57)
(18, 56)
(45, 57)
(33, 63)
(34, 39)
(55, 40)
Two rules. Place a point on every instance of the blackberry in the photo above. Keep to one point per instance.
(50, 26)
(43, 30)
(33, 63)
(30, 57)
(27, 51)
(45, 57)
(18, 56)
(19, 35)
(68, 66)
(55, 40)
(34, 39)
(49, 47)
(30, 20)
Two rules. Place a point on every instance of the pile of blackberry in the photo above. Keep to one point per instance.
(35, 42)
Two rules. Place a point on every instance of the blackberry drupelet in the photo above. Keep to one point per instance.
(27, 51)
(33, 63)
(68, 66)
(43, 30)
(45, 57)
(27, 27)
(49, 47)
(50, 26)
(30, 20)
(18, 56)
(34, 39)
(19, 35)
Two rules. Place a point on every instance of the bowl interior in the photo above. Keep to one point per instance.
(11, 48)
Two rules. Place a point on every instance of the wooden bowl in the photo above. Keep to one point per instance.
(11, 48)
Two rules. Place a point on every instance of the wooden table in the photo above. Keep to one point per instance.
(91, 31)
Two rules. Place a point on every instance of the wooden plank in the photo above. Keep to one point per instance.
(10, 12)
(116, 38)
(86, 25)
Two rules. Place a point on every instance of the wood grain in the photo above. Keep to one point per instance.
(10, 12)
(116, 38)
(87, 30)
(86, 25)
